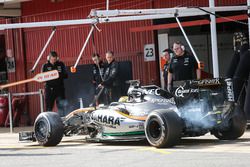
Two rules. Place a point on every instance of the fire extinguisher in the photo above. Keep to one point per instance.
(3, 110)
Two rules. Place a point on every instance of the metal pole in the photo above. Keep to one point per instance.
(43, 50)
(41, 100)
(248, 12)
(10, 112)
(183, 12)
(84, 46)
(189, 44)
(214, 42)
(107, 5)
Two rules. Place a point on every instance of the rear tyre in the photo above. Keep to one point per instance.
(237, 126)
(163, 128)
(48, 129)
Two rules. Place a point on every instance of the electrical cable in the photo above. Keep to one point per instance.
(219, 16)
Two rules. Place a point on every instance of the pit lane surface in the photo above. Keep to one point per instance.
(75, 151)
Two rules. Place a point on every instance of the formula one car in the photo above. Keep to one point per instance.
(195, 108)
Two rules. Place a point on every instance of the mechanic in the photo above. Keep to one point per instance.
(240, 45)
(183, 66)
(237, 68)
(167, 54)
(54, 89)
(111, 81)
(97, 71)
(242, 74)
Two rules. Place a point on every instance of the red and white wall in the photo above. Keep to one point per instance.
(26, 44)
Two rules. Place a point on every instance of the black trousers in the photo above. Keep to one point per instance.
(112, 94)
(100, 98)
(241, 75)
(247, 100)
(58, 95)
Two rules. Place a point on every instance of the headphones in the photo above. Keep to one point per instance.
(52, 54)
(181, 45)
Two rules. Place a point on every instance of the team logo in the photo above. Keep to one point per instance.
(230, 93)
(180, 91)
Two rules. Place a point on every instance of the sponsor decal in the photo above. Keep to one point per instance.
(59, 68)
(138, 93)
(186, 61)
(230, 93)
(152, 92)
(171, 100)
(175, 60)
(138, 126)
(109, 120)
(214, 81)
(180, 91)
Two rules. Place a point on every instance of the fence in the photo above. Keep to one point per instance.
(10, 101)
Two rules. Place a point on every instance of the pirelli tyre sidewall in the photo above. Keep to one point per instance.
(48, 129)
(163, 128)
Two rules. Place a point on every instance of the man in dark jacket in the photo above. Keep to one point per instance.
(239, 70)
(54, 89)
(111, 81)
(167, 56)
(97, 72)
(183, 66)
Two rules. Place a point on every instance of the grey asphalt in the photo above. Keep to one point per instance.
(203, 151)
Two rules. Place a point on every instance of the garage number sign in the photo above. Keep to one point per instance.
(10, 62)
(149, 52)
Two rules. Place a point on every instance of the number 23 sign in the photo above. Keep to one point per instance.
(149, 52)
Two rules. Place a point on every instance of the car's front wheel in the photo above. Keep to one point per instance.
(163, 128)
(48, 129)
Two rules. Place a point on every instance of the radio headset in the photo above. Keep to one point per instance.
(182, 47)
(54, 54)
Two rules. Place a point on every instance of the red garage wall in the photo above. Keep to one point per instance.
(68, 40)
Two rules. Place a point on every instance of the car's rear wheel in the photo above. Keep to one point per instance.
(48, 129)
(163, 128)
(237, 126)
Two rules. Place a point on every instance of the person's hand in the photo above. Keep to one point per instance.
(100, 86)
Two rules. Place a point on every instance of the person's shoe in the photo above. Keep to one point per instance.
(239, 39)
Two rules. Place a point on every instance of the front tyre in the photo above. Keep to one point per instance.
(163, 128)
(48, 129)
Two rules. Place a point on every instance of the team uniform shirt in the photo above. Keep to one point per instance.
(60, 67)
(111, 82)
(183, 67)
(165, 72)
(111, 75)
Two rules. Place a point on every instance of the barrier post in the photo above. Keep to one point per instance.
(10, 112)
